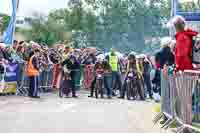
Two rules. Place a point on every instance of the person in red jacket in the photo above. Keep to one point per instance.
(183, 49)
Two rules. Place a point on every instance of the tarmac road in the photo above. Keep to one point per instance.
(51, 114)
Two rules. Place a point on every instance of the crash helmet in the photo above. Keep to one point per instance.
(131, 56)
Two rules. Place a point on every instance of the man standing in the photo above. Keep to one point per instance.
(146, 75)
(33, 74)
(115, 66)
(75, 75)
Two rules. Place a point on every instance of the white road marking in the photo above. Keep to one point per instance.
(63, 107)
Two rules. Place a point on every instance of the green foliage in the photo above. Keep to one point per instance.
(45, 30)
(124, 24)
(189, 6)
(5, 19)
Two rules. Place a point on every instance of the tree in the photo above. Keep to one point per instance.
(4, 21)
(45, 30)
(189, 6)
(130, 22)
(133, 24)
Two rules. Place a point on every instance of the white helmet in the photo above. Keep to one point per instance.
(142, 56)
(166, 41)
(137, 56)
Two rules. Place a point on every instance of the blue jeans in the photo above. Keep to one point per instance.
(108, 84)
(116, 79)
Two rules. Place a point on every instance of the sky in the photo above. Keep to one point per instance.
(27, 7)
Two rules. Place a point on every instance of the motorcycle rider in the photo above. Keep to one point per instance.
(131, 66)
(98, 68)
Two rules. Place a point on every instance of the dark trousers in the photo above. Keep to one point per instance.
(92, 87)
(147, 82)
(73, 84)
(66, 86)
(123, 90)
(33, 86)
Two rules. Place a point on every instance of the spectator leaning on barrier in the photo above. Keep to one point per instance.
(15, 43)
(184, 42)
(166, 58)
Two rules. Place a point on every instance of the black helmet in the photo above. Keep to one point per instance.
(131, 56)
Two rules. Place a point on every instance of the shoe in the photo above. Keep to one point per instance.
(109, 97)
(113, 94)
(142, 99)
(75, 96)
(30, 95)
(36, 96)
(90, 96)
(121, 97)
(186, 131)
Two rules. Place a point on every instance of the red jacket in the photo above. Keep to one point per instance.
(183, 49)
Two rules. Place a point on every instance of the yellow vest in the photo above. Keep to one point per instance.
(140, 70)
(113, 61)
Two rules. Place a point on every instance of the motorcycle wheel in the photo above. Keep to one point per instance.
(97, 89)
(60, 93)
(128, 92)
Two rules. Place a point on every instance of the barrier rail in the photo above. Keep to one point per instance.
(45, 77)
(23, 82)
(48, 78)
(89, 75)
(180, 100)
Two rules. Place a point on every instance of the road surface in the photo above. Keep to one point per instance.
(51, 114)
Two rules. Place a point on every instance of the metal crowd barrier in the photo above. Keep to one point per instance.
(45, 77)
(23, 82)
(77, 78)
(180, 100)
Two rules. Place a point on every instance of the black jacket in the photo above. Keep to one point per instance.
(165, 56)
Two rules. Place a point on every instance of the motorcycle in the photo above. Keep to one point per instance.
(99, 86)
(131, 85)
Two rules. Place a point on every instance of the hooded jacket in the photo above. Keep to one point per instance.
(183, 49)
